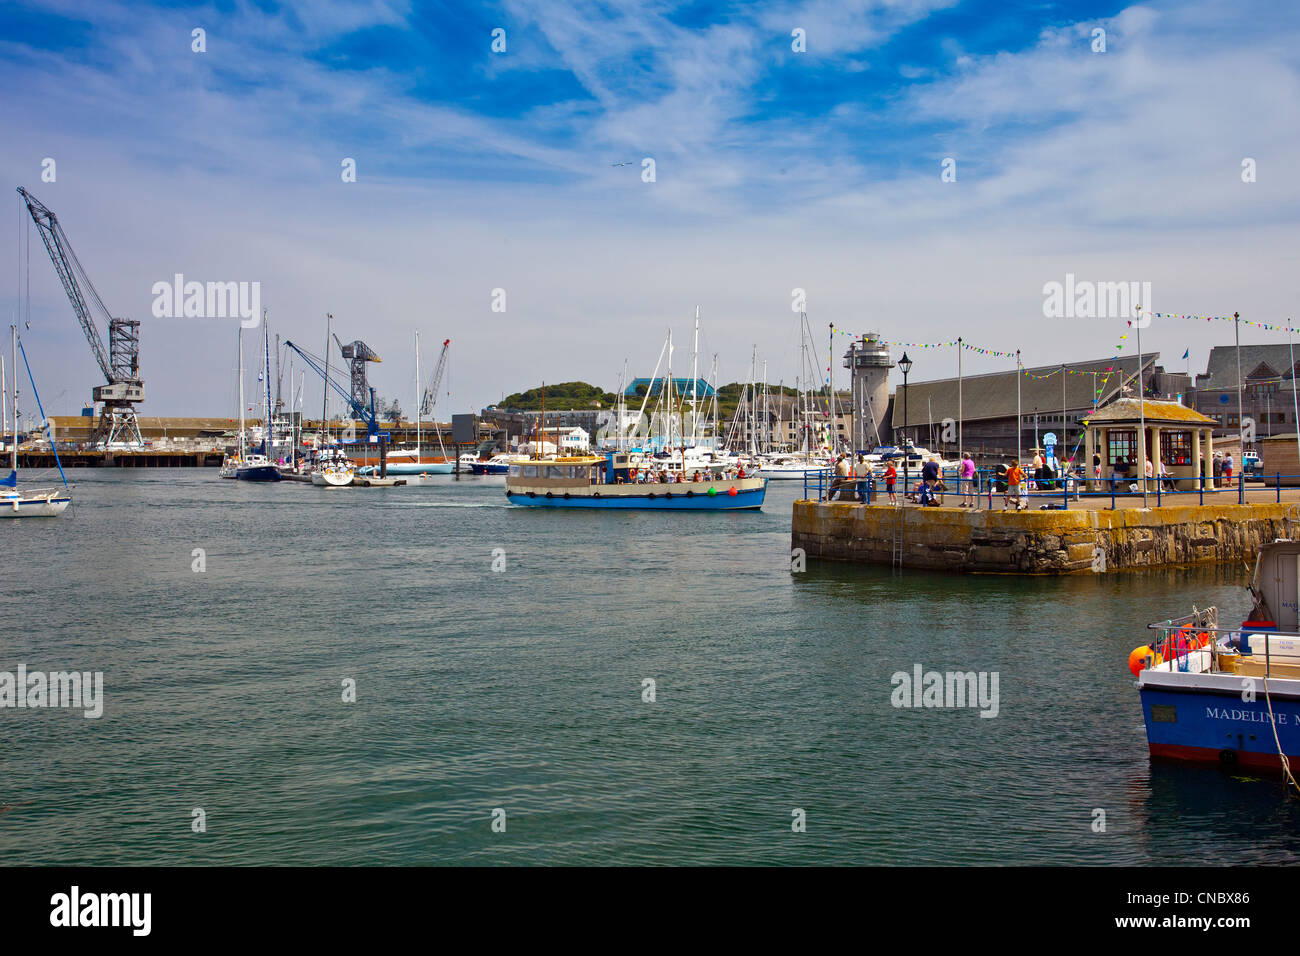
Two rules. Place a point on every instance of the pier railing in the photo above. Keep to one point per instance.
(1056, 492)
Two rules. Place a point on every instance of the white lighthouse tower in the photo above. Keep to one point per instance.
(869, 363)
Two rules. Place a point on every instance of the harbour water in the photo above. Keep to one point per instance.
(522, 689)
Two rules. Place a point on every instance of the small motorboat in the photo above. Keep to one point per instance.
(496, 465)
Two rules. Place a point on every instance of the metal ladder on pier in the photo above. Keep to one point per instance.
(896, 555)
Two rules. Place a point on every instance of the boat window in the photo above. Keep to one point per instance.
(515, 470)
(529, 471)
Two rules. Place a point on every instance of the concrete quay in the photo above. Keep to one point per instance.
(1080, 540)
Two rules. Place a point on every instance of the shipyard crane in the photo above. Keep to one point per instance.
(360, 404)
(430, 398)
(359, 353)
(120, 362)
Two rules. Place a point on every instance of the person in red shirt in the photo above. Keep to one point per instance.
(891, 476)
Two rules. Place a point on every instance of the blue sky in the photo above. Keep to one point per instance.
(775, 170)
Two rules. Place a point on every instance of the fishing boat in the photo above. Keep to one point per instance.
(31, 502)
(1229, 696)
(612, 482)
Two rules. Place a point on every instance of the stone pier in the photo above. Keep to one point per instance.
(1040, 542)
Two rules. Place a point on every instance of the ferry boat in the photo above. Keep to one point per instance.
(612, 482)
(1229, 696)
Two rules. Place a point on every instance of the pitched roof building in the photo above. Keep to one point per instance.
(1268, 384)
(988, 404)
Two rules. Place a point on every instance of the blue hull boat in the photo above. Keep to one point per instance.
(608, 483)
(1229, 696)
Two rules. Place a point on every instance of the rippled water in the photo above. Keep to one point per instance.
(523, 690)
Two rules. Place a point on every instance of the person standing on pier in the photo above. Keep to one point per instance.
(891, 477)
(967, 475)
(1014, 477)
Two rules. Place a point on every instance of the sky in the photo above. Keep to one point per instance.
(523, 170)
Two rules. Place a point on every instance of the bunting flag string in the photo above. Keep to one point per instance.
(1222, 318)
(1106, 373)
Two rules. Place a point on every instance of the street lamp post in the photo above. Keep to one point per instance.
(905, 365)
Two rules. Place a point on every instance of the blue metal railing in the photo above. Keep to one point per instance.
(988, 484)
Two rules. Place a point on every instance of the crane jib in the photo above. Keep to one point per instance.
(120, 361)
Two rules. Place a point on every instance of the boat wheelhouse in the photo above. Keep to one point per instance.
(615, 482)
(1229, 696)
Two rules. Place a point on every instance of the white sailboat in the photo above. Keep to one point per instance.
(230, 466)
(35, 502)
(332, 469)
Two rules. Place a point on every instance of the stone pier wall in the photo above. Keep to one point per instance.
(1040, 542)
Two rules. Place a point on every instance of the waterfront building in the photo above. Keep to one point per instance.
(1178, 441)
(988, 405)
(1268, 379)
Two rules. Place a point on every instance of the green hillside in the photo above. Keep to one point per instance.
(563, 396)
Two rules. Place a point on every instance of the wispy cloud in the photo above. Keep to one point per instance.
(774, 168)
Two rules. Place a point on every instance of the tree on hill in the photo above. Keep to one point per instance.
(564, 396)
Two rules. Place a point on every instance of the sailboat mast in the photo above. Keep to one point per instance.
(240, 375)
(13, 365)
(269, 433)
(325, 396)
(417, 398)
(695, 378)
(713, 381)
